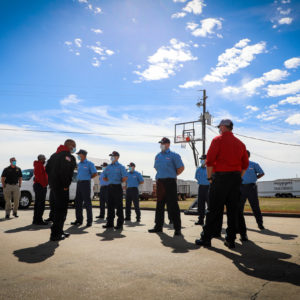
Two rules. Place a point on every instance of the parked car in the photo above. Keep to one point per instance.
(27, 192)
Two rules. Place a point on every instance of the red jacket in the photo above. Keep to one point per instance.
(40, 175)
(227, 154)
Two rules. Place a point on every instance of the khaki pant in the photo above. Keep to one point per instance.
(11, 190)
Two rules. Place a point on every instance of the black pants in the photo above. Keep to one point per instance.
(132, 195)
(167, 194)
(202, 199)
(249, 191)
(51, 203)
(115, 201)
(103, 199)
(224, 190)
(83, 197)
(39, 203)
(60, 210)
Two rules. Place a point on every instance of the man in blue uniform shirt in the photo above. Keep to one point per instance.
(168, 165)
(115, 174)
(201, 176)
(249, 191)
(103, 192)
(86, 171)
(132, 192)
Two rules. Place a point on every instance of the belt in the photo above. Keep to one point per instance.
(11, 183)
(83, 180)
(113, 185)
(165, 179)
(228, 173)
(132, 187)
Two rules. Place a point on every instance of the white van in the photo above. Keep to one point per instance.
(28, 195)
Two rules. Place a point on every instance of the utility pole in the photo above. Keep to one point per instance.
(205, 117)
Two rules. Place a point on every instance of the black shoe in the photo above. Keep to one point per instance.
(244, 238)
(203, 243)
(76, 223)
(100, 217)
(171, 222)
(88, 224)
(261, 227)
(107, 226)
(49, 220)
(57, 238)
(7, 217)
(66, 234)
(199, 222)
(15, 215)
(154, 230)
(118, 227)
(229, 244)
(43, 223)
(127, 219)
(217, 235)
(178, 233)
(138, 220)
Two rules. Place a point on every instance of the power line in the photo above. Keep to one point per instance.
(263, 140)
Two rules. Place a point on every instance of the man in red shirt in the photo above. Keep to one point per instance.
(40, 189)
(226, 162)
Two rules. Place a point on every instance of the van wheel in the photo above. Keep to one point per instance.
(25, 200)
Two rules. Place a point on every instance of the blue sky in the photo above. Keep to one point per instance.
(131, 69)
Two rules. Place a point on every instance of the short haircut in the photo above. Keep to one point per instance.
(248, 152)
(69, 142)
(12, 158)
(41, 156)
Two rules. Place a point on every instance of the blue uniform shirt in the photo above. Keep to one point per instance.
(251, 173)
(85, 170)
(166, 164)
(134, 179)
(102, 182)
(201, 176)
(115, 172)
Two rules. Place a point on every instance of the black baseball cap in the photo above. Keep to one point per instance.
(225, 122)
(81, 151)
(131, 164)
(164, 140)
(104, 165)
(114, 153)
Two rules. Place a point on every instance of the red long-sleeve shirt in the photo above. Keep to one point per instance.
(227, 154)
(40, 175)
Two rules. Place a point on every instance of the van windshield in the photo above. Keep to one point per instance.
(27, 174)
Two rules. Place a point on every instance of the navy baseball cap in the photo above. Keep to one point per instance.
(164, 140)
(225, 122)
(114, 153)
(131, 164)
(104, 165)
(81, 151)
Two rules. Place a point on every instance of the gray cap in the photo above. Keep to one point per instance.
(225, 122)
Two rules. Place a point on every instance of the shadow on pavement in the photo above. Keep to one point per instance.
(4, 219)
(111, 234)
(133, 224)
(36, 254)
(28, 228)
(178, 243)
(76, 230)
(257, 262)
(283, 236)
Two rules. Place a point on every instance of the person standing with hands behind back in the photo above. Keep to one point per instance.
(168, 165)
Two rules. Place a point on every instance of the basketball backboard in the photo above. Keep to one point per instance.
(188, 131)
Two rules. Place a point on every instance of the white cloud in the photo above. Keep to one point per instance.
(68, 43)
(109, 52)
(166, 60)
(196, 45)
(83, 1)
(207, 27)
(252, 108)
(292, 63)
(97, 10)
(293, 119)
(285, 1)
(97, 50)
(294, 100)
(191, 84)
(182, 1)
(178, 15)
(249, 88)
(194, 6)
(70, 99)
(78, 42)
(95, 62)
(235, 58)
(286, 21)
(96, 30)
(271, 114)
(285, 12)
(276, 90)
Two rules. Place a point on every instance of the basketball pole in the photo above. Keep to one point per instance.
(204, 122)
